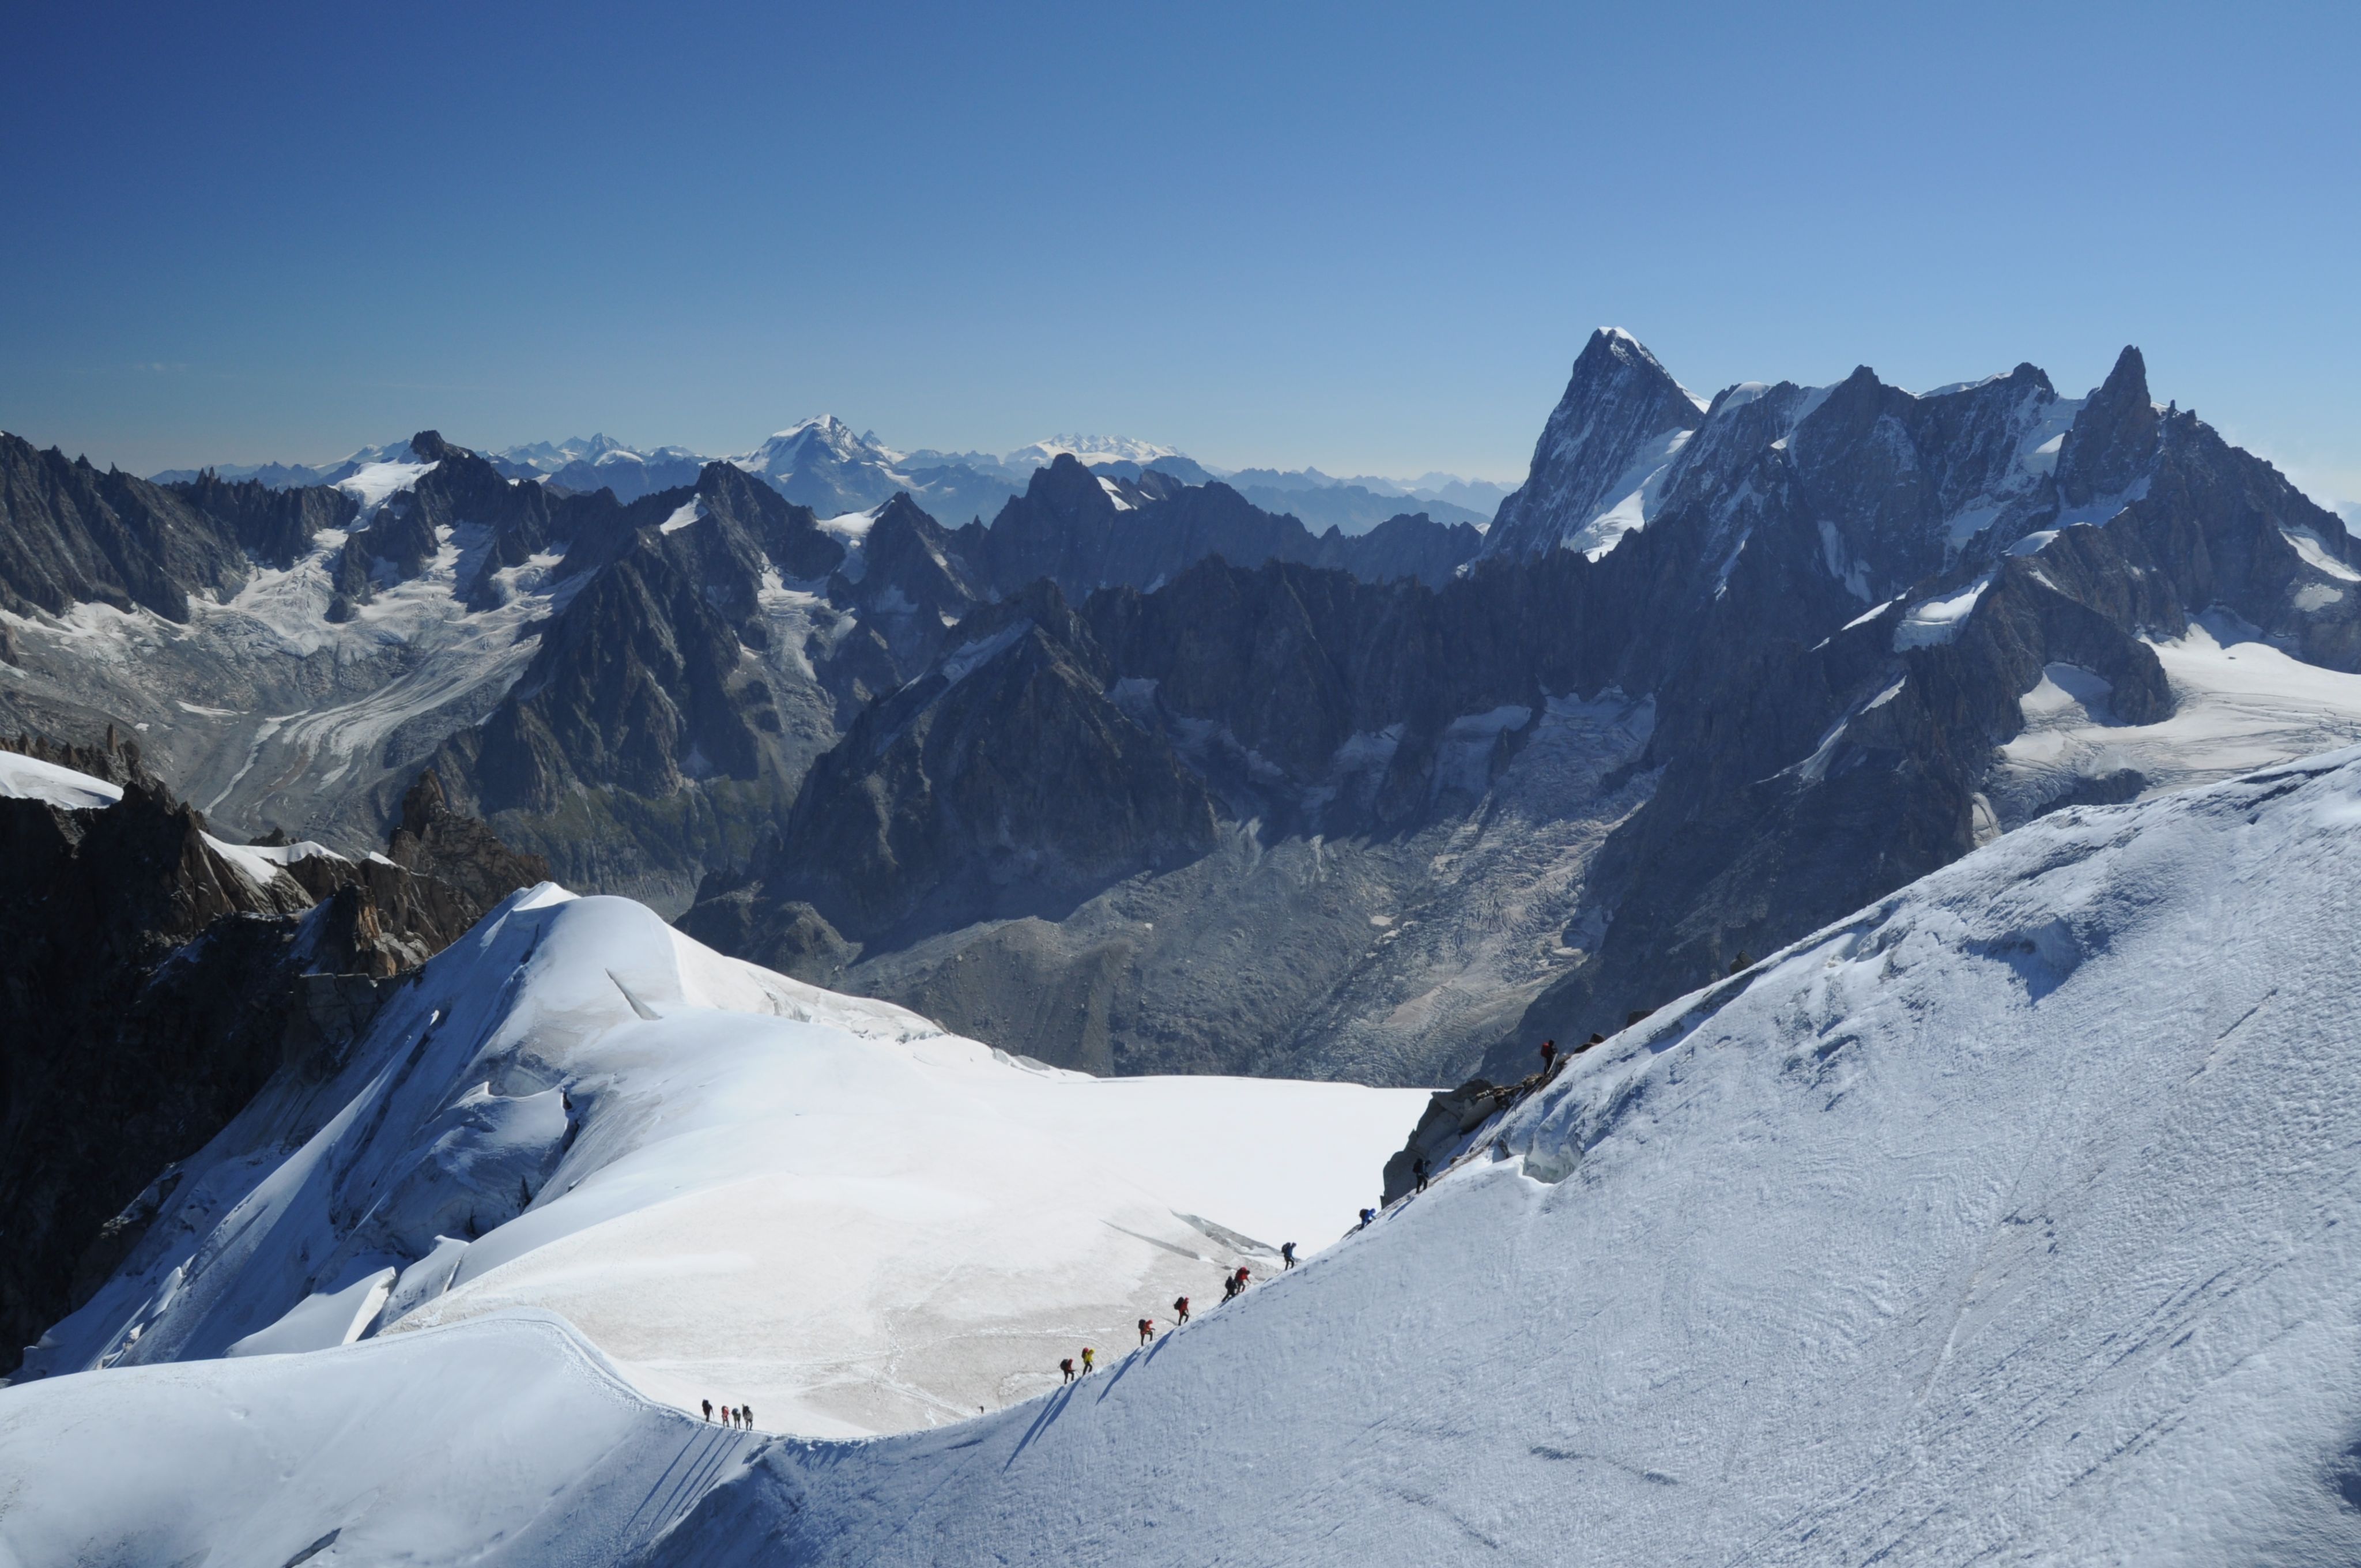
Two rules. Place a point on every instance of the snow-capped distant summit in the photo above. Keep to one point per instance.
(823, 437)
(1090, 450)
(549, 456)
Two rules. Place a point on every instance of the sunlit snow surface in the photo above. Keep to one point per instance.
(508, 1443)
(373, 484)
(740, 1187)
(30, 778)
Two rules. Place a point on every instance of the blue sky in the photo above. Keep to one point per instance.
(1365, 236)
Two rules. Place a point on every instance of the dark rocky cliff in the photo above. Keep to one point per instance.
(148, 988)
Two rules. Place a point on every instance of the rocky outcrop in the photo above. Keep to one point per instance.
(148, 986)
(443, 848)
(274, 526)
(2115, 438)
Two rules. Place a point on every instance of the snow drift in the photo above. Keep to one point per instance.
(2007, 1221)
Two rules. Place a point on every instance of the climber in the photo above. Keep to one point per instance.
(1087, 1354)
(1147, 1330)
(1549, 1054)
(1367, 1215)
(709, 1409)
(1417, 1168)
(748, 1411)
(1066, 1366)
(1180, 1310)
(1287, 1251)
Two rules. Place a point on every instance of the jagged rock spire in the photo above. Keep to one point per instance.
(2113, 437)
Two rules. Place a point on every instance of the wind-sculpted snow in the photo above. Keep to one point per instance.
(740, 1187)
(2010, 1220)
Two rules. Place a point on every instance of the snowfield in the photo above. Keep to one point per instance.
(739, 1187)
(2009, 1221)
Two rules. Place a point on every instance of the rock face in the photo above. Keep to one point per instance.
(70, 534)
(149, 985)
(1014, 786)
(1720, 677)
(442, 847)
(1234, 797)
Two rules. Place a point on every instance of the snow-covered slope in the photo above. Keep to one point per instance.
(741, 1188)
(506, 1443)
(2010, 1221)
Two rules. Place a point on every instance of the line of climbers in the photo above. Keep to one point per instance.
(738, 1416)
(1233, 1285)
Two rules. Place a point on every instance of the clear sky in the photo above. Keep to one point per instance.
(1366, 237)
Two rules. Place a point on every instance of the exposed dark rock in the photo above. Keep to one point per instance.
(446, 847)
(1808, 755)
(2114, 440)
(148, 987)
(275, 526)
(1009, 784)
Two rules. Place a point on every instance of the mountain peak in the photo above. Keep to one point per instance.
(2128, 380)
(1620, 406)
(2113, 437)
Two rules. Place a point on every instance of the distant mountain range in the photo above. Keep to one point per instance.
(1152, 776)
(821, 462)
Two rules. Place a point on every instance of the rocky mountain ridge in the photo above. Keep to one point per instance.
(633, 689)
(1720, 673)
